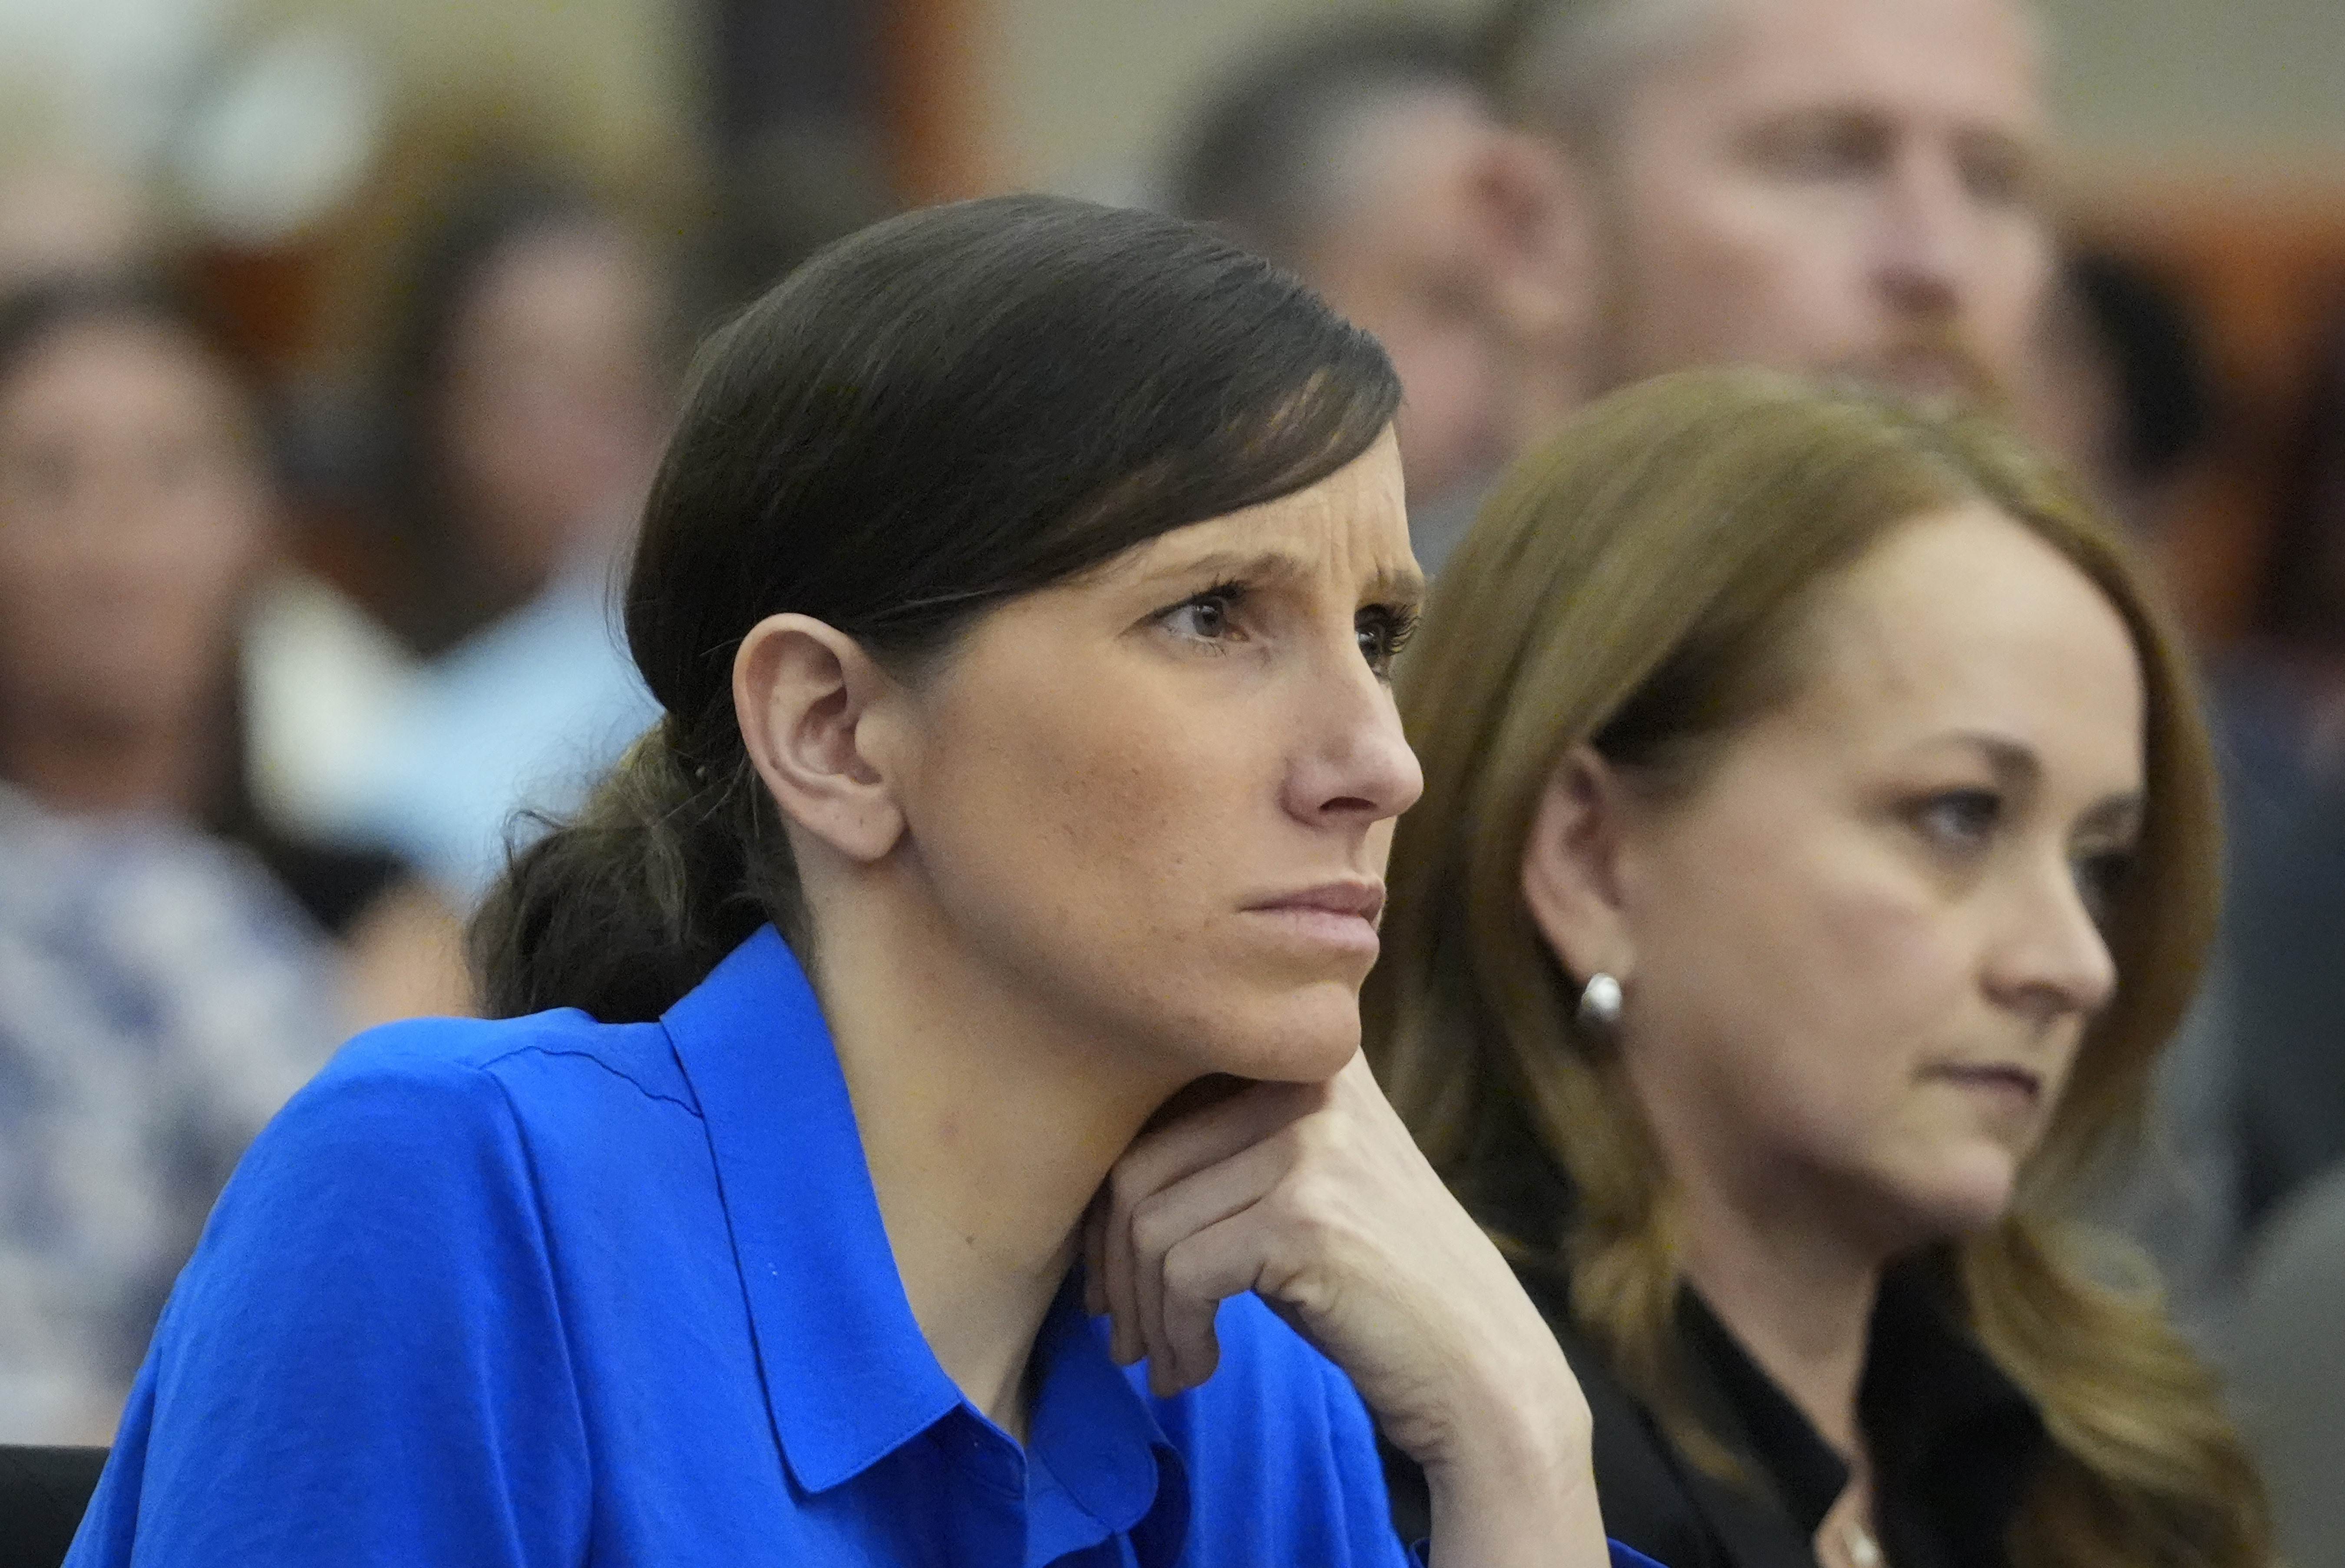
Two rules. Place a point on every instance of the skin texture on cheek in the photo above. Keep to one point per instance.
(1094, 803)
(1794, 1060)
(1862, 967)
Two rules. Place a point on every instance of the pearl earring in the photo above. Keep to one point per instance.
(1600, 1001)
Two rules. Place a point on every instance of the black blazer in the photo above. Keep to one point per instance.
(1652, 1499)
(1955, 1445)
(42, 1494)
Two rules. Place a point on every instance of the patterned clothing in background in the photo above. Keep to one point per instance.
(160, 998)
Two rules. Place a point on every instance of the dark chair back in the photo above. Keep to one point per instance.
(43, 1494)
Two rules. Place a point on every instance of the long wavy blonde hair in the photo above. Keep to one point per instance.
(1633, 585)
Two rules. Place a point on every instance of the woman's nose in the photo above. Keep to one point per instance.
(2053, 958)
(1352, 765)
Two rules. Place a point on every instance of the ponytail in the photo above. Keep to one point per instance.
(623, 908)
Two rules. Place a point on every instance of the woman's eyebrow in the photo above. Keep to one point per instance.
(2118, 817)
(2013, 761)
(1274, 568)
(1256, 567)
(2016, 765)
(1397, 584)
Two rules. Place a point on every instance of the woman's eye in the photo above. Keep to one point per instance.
(1204, 617)
(2099, 878)
(1383, 632)
(1960, 819)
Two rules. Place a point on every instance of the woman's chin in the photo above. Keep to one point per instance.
(1302, 1036)
(1971, 1193)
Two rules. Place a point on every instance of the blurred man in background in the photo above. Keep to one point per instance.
(1368, 159)
(1835, 186)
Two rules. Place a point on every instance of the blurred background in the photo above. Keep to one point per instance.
(337, 339)
(290, 144)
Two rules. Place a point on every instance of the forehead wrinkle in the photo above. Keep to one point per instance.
(1256, 566)
(1278, 568)
(1867, 653)
(1308, 535)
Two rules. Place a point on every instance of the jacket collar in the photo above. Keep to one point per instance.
(1954, 1440)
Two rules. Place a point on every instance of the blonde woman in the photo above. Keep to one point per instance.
(1817, 847)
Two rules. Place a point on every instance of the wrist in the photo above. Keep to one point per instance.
(1528, 1427)
(1515, 1484)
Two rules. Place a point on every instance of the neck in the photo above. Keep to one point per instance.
(987, 1124)
(1794, 1292)
(93, 768)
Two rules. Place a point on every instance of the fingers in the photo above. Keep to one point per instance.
(1176, 1226)
(1170, 1154)
(1224, 1258)
(1176, 1326)
(1314, 1198)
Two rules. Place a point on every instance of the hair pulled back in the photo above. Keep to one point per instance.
(937, 414)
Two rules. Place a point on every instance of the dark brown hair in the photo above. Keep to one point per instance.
(935, 415)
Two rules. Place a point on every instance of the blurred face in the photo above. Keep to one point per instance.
(134, 510)
(1833, 186)
(1414, 257)
(1204, 760)
(552, 417)
(1864, 949)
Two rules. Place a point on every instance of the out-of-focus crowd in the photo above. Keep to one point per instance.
(275, 680)
(282, 668)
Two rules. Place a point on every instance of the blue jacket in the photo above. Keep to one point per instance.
(548, 1291)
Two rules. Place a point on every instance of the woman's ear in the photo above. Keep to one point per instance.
(804, 693)
(1571, 868)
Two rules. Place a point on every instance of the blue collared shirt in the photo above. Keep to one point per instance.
(547, 1291)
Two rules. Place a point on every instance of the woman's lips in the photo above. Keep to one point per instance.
(1335, 913)
(2001, 1079)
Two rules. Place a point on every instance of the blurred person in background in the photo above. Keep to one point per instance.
(2122, 393)
(1817, 849)
(2122, 388)
(1839, 188)
(70, 217)
(2298, 635)
(524, 401)
(170, 967)
(2291, 1379)
(139, 515)
(2283, 693)
(160, 998)
(1367, 159)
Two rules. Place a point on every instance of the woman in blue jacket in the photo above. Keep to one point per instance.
(979, 931)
